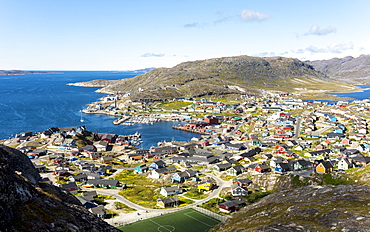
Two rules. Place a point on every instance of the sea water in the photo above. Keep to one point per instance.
(38, 102)
(356, 95)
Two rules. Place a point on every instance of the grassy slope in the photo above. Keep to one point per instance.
(228, 76)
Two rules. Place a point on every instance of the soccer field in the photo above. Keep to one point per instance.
(188, 220)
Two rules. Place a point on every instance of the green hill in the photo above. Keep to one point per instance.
(227, 76)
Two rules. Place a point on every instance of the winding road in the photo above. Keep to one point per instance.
(143, 212)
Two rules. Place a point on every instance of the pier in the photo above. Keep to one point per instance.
(121, 120)
(190, 130)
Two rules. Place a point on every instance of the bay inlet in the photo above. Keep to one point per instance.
(38, 102)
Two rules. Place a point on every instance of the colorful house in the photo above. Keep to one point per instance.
(262, 168)
(168, 202)
(231, 205)
(324, 167)
(205, 186)
(282, 168)
(236, 170)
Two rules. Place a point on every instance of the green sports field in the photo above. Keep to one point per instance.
(180, 221)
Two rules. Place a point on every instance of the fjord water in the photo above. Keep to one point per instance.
(38, 102)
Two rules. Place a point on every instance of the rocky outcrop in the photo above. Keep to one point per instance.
(308, 208)
(26, 205)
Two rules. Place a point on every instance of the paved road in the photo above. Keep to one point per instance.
(143, 212)
(297, 130)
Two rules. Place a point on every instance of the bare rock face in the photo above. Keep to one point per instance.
(308, 208)
(27, 206)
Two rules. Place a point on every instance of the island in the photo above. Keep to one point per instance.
(22, 72)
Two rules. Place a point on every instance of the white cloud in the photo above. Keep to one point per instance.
(265, 54)
(333, 48)
(190, 25)
(153, 55)
(316, 30)
(250, 16)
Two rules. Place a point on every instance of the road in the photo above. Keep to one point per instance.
(143, 212)
(297, 129)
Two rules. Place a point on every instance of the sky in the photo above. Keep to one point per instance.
(135, 34)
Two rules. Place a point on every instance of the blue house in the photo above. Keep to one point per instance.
(282, 168)
(182, 176)
(332, 118)
(141, 169)
(157, 164)
(338, 130)
(235, 147)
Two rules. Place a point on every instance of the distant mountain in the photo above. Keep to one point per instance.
(21, 72)
(348, 69)
(144, 69)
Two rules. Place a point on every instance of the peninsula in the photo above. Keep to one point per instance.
(228, 77)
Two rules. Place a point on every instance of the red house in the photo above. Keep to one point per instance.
(262, 168)
(211, 120)
(231, 205)
(70, 187)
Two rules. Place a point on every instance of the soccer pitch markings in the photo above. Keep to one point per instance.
(188, 220)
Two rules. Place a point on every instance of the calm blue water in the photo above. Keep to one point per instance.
(38, 102)
(357, 95)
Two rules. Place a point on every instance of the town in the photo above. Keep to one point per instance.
(239, 141)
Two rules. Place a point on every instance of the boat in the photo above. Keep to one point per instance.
(81, 120)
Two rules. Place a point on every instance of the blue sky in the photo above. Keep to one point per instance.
(127, 34)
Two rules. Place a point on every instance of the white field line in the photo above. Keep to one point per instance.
(160, 226)
(187, 214)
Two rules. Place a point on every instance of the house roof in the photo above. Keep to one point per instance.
(245, 181)
(99, 210)
(103, 182)
(69, 185)
(232, 203)
(172, 188)
(169, 200)
(224, 166)
(238, 168)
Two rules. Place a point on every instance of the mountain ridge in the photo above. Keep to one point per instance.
(347, 69)
(227, 76)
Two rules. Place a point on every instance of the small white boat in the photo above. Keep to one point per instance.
(81, 120)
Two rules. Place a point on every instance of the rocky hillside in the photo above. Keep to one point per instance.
(308, 208)
(222, 77)
(26, 205)
(348, 69)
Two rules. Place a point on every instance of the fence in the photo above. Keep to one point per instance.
(211, 214)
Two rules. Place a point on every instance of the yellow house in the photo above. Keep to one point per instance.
(205, 186)
(324, 167)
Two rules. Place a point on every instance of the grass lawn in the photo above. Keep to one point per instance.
(180, 221)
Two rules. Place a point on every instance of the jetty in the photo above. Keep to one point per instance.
(121, 120)
(197, 131)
